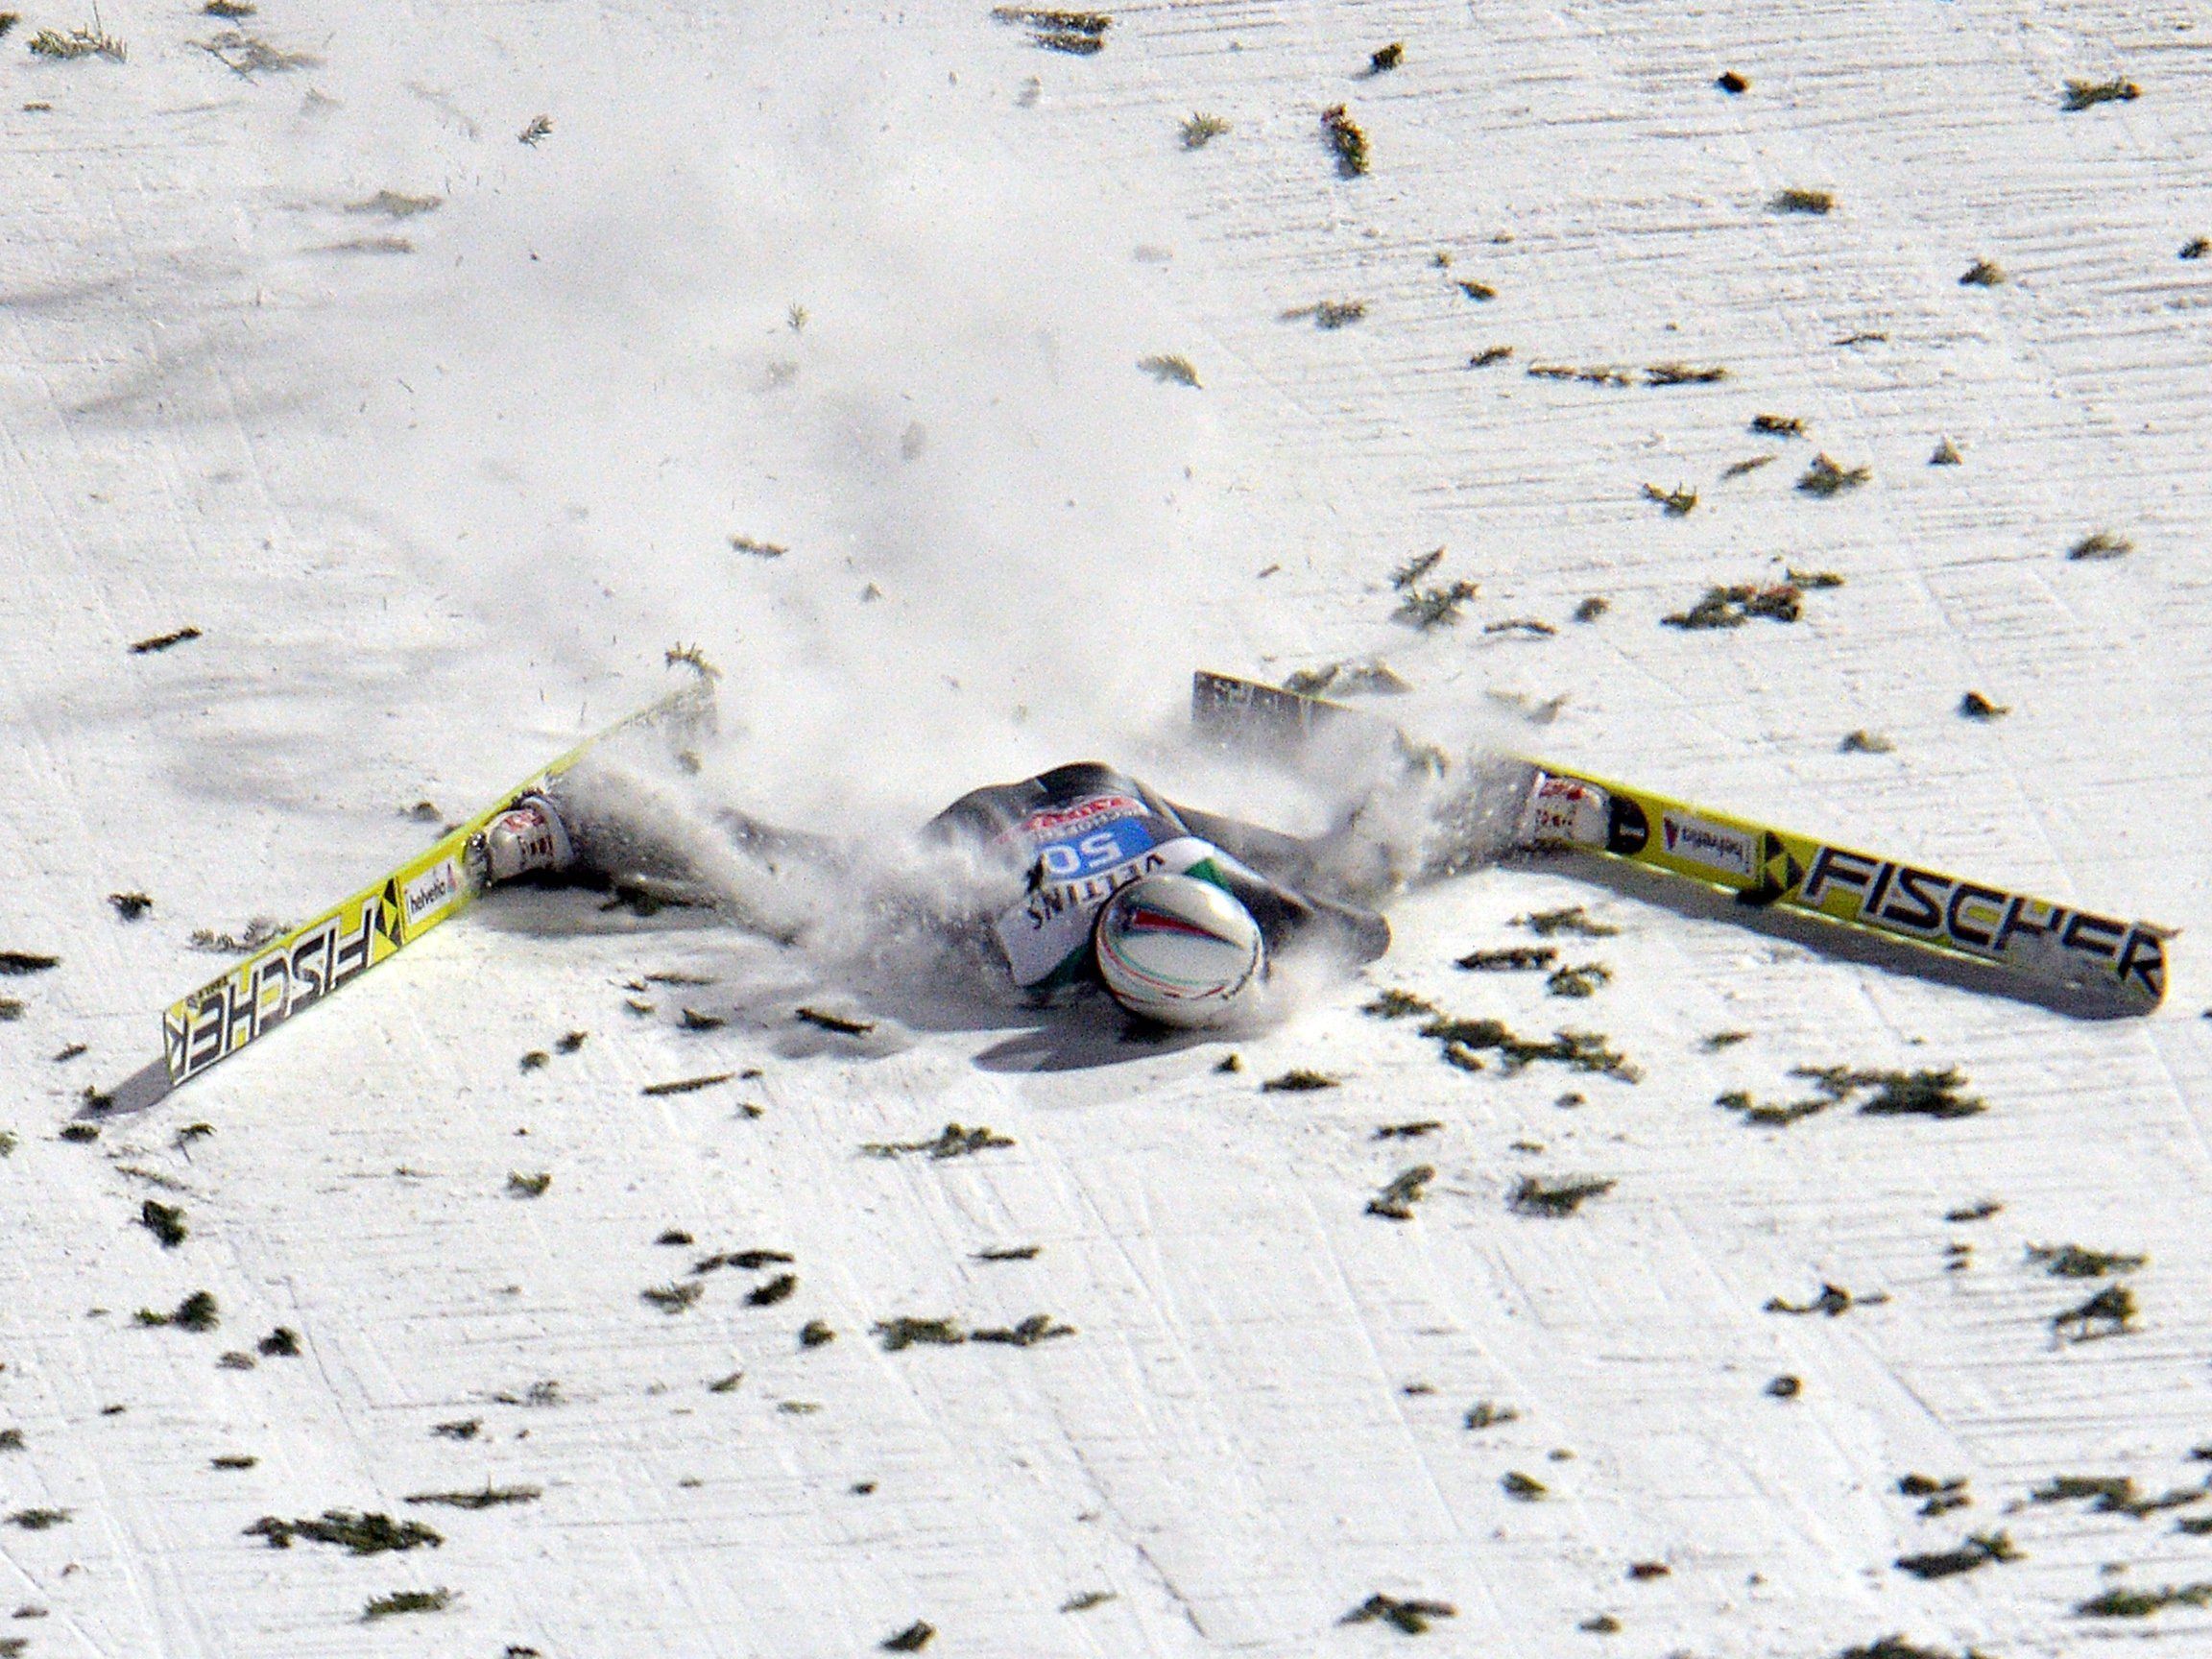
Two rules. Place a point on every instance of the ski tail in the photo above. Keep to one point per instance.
(1252, 715)
(1249, 714)
(291, 973)
(2113, 962)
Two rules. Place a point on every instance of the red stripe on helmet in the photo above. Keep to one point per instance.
(1144, 919)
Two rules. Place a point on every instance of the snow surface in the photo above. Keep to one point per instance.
(872, 286)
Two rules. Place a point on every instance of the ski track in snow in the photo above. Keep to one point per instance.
(439, 489)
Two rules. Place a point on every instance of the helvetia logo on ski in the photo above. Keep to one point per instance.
(1715, 846)
(256, 998)
(430, 892)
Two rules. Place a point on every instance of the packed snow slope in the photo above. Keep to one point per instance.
(443, 365)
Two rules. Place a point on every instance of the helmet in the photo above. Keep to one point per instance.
(1177, 949)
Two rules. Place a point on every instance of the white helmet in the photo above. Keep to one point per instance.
(1178, 950)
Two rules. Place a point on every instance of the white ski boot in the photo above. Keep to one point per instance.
(526, 838)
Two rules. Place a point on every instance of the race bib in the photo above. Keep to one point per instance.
(1051, 927)
(1073, 858)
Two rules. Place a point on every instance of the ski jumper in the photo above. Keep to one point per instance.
(1077, 835)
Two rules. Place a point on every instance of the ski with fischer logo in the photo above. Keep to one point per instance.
(290, 974)
(2118, 963)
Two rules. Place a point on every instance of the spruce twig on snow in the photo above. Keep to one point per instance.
(2088, 94)
(1346, 138)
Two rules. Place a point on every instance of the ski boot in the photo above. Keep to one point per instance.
(526, 839)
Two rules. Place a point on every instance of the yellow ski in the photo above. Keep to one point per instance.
(2117, 962)
(291, 973)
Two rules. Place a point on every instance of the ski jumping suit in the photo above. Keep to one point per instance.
(1067, 840)
(1079, 833)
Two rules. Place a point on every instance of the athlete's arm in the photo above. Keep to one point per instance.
(1280, 858)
